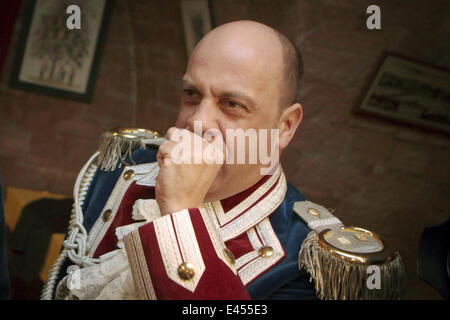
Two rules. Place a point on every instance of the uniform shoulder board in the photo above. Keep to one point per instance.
(347, 262)
(118, 143)
(316, 216)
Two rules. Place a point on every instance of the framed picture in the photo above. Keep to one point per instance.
(411, 93)
(196, 21)
(8, 14)
(53, 59)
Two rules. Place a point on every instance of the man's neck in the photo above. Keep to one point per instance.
(238, 185)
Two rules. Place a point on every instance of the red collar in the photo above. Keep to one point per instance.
(242, 211)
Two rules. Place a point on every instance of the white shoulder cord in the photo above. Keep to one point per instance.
(75, 245)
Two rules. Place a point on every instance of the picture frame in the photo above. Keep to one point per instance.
(54, 60)
(410, 93)
(8, 14)
(197, 21)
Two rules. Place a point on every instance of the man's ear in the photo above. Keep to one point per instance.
(289, 121)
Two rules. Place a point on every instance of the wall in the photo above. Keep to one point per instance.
(389, 178)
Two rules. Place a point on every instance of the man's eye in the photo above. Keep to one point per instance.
(233, 105)
(191, 95)
(188, 92)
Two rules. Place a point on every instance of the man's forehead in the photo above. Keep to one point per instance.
(238, 50)
(240, 65)
(243, 32)
(225, 65)
(243, 44)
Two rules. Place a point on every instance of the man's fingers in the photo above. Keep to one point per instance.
(176, 134)
(184, 146)
(170, 132)
(160, 159)
(164, 152)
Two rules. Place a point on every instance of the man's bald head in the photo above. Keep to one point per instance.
(293, 70)
(242, 78)
(284, 60)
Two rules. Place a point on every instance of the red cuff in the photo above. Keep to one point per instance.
(188, 238)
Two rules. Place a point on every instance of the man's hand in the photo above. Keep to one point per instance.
(181, 183)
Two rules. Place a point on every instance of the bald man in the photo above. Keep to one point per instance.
(158, 228)
(242, 75)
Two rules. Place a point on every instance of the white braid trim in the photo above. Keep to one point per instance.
(75, 245)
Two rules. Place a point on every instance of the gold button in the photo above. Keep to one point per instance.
(229, 256)
(314, 212)
(265, 251)
(128, 174)
(186, 271)
(107, 215)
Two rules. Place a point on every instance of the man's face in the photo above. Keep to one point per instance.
(230, 86)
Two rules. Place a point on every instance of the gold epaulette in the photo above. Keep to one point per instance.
(119, 142)
(347, 262)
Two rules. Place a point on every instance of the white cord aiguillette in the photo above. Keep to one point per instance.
(75, 245)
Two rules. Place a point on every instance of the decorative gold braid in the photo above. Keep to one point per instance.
(339, 279)
(120, 142)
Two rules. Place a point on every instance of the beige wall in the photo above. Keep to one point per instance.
(389, 178)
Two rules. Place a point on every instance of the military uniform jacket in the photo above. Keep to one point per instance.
(242, 247)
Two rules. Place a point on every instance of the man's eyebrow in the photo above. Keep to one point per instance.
(189, 85)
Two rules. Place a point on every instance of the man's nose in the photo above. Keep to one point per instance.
(205, 113)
